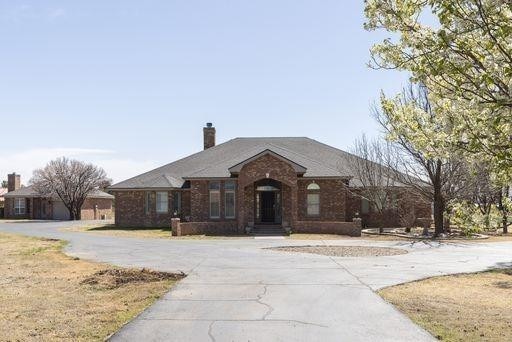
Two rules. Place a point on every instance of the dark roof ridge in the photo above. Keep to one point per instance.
(271, 137)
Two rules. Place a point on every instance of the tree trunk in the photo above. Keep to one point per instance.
(505, 222)
(72, 214)
(501, 206)
(438, 211)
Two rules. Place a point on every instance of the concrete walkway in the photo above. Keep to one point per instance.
(238, 291)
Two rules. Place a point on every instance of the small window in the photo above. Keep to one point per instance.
(214, 200)
(176, 203)
(313, 200)
(313, 186)
(313, 204)
(162, 202)
(147, 202)
(19, 206)
(229, 199)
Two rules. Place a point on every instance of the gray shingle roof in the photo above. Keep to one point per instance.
(28, 191)
(319, 159)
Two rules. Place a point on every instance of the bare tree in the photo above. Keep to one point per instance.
(371, 166)
(437, 179)
(70, 180)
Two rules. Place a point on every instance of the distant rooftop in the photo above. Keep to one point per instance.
(28, 191)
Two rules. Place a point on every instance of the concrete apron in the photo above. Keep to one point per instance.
(237, 291)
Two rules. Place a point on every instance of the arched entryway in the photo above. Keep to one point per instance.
(268, 206)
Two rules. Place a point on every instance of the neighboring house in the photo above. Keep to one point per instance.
(3, 191)
(246, 183)
(25, 202)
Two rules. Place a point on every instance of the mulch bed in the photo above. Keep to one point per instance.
(114, 278)
(416, 234)
(342, 251)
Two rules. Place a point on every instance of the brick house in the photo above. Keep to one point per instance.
(26, 203)
(3, 191)
(249, 184)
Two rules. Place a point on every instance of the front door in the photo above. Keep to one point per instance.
(268, 207)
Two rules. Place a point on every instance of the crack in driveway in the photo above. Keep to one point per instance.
(259, 300)
(334, 293)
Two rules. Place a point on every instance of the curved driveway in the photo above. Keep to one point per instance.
(238, 291)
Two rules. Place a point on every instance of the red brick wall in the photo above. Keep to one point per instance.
(209, 228)
(104, 207)
(199, 197)
(129, 210)
(325, 227)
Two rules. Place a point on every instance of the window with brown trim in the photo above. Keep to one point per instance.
(313, 200)
(214, 192)
(162, 202)
(229, 199)
(19, 206)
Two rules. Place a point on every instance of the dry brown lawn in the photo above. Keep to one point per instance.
(498, 238)
(46, 295)
(142, 232)
(112, 230)
(165, 233)
(466, 307)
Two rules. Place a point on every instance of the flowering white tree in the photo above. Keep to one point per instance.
(465, 60)
(71, 181)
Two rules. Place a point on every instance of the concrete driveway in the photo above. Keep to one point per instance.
(238, 291)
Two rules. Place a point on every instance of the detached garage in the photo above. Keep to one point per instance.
(27, 204)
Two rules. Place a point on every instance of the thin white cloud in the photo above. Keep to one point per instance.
(56, 13)
(23, 12)
(25, 162)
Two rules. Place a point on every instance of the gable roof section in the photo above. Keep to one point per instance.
(319, 160)
(297, 167)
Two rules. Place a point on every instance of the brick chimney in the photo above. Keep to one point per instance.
(209, 136)
(13, 182)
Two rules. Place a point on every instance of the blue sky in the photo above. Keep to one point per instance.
(129, 85)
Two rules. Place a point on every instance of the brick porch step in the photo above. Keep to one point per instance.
(268, 230)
